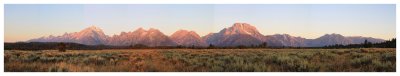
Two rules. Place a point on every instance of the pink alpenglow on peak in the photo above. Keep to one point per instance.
(89, 36)
(151, 37)
(239, 34)
(187, 38)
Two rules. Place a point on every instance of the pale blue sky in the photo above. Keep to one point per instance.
(24, 21)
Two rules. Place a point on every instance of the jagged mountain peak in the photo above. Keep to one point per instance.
(93, 28)
(285, 40)
(153, 29)
(91, 36)
(182, 31)
(140, 29)
(282, 35)
(333, 34)
(242, 25)
(287, 36)
(237, 34)
(150, 37)
(90, 30)
(187, 38)
(241, 28)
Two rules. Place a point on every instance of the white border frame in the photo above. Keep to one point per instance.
(196, 2)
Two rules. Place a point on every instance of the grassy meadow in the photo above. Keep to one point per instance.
(203, 60)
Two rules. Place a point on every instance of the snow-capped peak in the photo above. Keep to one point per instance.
(241, 28)
(94, 28)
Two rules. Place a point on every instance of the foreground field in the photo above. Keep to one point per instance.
(203, 60)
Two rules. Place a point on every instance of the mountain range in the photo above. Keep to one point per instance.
(238, 34)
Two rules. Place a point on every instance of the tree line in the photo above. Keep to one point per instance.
(386, 44)
(50, 46)
(62, 46)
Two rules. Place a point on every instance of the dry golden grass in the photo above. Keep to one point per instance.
(203, 60)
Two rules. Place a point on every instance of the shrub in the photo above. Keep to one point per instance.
(306, 66)
(367, 50)
(209, 60)
(365, 60)
(356, 55)
(306, 55)
(340, 52)
(97, 60)
(216, 69)
(57, 69)
(326, 56)
(51, 59)
(30, 58)
(283, 60)
(383, 66)
(388, 56)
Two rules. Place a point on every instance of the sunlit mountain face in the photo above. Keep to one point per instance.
(242, 34)
(89, 36)
(187, 38)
